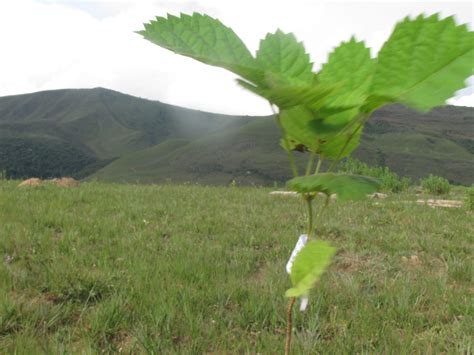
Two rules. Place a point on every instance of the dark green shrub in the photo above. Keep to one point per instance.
(436, 185)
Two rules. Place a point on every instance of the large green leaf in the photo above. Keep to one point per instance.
(282, 54)
(351, 66)
(204, 39)
(424, 62)
(309, 265)
(345, 186)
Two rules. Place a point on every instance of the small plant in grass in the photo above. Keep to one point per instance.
(423, 62)
(470, 198)
(435, 185)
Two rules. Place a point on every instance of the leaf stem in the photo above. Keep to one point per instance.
(294, 169)
(309, 167)
(318, 166)
(309, 204)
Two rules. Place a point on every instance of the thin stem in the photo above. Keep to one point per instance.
(318, 166)
(289, 325)
(309, 204)
(294, 169)
(309, 167)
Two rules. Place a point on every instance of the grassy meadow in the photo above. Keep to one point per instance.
(160, 269)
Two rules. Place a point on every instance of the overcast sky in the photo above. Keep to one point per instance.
(47, 44)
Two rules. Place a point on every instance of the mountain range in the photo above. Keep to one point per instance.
(106, 135)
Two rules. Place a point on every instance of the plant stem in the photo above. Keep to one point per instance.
(318, 166)
(294, 169)
(289, 325)
(310, 163)
(309, 204)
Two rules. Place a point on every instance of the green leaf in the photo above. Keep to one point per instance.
(424, 62)
(295, 122)
(345, 186)
(341, 145)
(351, 66)
(287, 80)
(282, 54)
(327, 137)
(309, 265)
(204, 39)
(288, 95)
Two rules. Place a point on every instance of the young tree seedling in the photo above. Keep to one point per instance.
(422, 64)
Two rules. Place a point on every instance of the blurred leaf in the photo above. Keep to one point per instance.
(341, 145)
(424, 62)
(296, 124)
(346, 187)
(327, 137)
(309, 265)
(289, 95)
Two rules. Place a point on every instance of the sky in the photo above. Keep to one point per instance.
(52, 44)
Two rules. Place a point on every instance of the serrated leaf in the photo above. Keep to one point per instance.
(205, 39)
(345, 186)
(424, 62)
(309, 265)
(282, 54)
(351, 66)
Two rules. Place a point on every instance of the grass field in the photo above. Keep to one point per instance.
(189, 269)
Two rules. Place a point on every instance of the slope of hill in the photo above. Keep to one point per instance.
(115, 137)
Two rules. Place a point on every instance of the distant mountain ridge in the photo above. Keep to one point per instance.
(103, 134)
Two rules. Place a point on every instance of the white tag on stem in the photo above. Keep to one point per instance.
(304, 303)
(299, 245)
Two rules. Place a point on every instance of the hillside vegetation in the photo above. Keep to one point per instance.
(115, 137)
(108, 268)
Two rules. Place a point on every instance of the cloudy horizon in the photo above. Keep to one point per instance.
(84, 44)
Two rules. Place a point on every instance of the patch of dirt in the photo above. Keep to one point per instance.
(66, 182)
(30, 182)
(260, 273)
(349, 262)
(413, 260)
(32, 300)
(441, 203)
(377, 196)
(284, 193)
(125, 343)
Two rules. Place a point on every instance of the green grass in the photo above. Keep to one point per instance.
(190, 269)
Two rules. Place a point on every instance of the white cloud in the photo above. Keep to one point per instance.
(52, 44)
(467, 100)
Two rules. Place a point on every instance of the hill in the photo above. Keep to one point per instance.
(111, 136)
